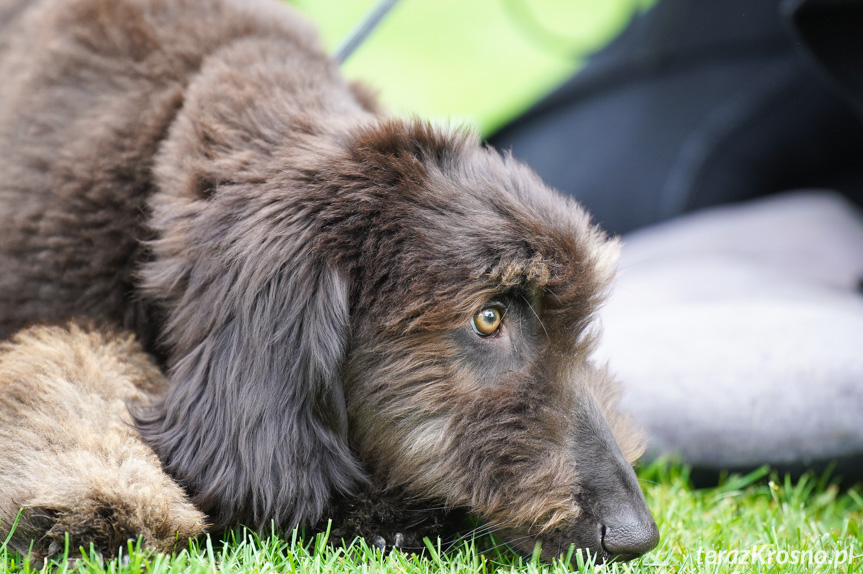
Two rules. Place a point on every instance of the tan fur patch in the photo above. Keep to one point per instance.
(71, 458)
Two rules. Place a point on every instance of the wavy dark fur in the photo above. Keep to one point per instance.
(199, 172)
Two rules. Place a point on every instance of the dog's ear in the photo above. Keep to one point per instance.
(254, 425)
(401, 152)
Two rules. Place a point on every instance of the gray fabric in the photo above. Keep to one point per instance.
(738, 333)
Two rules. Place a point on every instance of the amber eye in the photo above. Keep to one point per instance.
(487, 321)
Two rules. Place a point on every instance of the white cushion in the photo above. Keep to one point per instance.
(738, 333)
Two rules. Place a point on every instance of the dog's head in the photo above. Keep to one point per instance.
(469, 379)
(403, 304)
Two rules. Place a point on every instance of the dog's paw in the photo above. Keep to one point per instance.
(384, 520)
(379, 543)
(397, 541)
(103, 527)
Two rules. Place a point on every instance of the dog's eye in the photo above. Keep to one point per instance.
(487, 321)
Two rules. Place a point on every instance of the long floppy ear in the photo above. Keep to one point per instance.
(254, 424)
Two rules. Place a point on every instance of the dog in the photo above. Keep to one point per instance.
(344, 302)
(72, 461)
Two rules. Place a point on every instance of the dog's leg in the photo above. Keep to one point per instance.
(388, 520)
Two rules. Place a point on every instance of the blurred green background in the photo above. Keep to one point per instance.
(480, 61)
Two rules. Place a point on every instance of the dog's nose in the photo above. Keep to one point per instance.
(630, 540)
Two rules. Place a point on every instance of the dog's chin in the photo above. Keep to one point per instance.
(555, 544)
(586, 536)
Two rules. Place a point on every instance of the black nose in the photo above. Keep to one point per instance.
(631, 540)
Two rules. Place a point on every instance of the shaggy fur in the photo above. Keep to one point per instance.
(198, 172)
(72, 462)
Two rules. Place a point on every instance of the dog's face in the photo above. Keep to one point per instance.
(406, 304)
(468, 379)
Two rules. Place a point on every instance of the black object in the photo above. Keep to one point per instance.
(366, 26)
(832, 31)
(702, 103)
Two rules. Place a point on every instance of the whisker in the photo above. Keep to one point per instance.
(529, 306)
(435, 508)
(552, 293)
(473, 534)
(448, 546)
(508, 545)
(482, 530)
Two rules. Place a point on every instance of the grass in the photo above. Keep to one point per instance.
(766, 519)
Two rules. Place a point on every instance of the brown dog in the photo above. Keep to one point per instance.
(341, 299)
(72, 462)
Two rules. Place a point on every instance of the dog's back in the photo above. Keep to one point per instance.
(90, 90)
